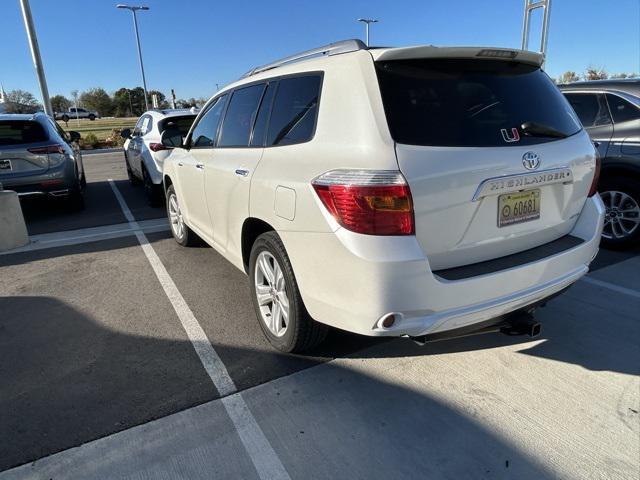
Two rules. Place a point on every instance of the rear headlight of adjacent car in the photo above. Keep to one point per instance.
(596, 176)
(371, 202)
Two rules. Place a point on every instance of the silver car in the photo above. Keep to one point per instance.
(39, 159)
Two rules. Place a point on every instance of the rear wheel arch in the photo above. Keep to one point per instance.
(619, 170)
(252, 228)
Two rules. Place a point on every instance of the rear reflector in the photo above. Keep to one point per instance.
(156, 147)
(372, 202)
(596, 176)
(48, 149)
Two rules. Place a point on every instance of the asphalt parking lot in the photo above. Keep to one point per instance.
(124, 355)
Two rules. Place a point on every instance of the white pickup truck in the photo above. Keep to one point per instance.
(76, 113)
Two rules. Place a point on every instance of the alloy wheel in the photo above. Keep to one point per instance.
(622, 216)
(175, 217)
(270, 288)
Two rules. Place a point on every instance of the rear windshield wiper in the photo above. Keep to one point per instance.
(533, 129)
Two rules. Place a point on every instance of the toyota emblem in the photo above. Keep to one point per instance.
(531, 160)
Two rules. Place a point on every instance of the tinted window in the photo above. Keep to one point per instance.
(590, 108)
(14, 132)
(204, 133)
(260, 127)
(622, 110)
(236, 127)
(469, 102)
(295, 109)
(181, 123)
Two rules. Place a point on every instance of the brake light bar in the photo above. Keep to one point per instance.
(371, 202)
(56, 148)
(156, 147)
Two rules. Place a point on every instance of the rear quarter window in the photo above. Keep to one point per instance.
(468, 103)
(16, 132)
(295, 110)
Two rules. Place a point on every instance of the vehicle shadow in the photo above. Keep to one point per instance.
(68, 379)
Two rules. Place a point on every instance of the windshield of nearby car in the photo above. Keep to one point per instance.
(17, 132)
(181, 123)
(466, 103)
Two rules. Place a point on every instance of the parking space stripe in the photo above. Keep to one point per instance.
(264, 458)
(612, 286)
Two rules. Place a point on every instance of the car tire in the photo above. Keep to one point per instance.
(180, 231)
(133, 180)
(294, 331)
(621, 198)
(92, 117)
(151, 190)
(65, 118)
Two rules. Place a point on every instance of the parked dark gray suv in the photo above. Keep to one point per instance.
(610, 112)
(39, 159)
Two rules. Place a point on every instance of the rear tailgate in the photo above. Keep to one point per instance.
(461, 145)
(21, 149)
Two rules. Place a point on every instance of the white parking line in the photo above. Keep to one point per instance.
(86, 235)
(264, 458)
(612, 286)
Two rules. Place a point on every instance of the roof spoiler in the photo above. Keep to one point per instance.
(429, 51)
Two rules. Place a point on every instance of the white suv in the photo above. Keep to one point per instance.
(143, 151)
(423, 192)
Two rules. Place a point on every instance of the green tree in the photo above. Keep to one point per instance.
(60, 103)
(128, 102)
(97, 99)
(162, 102)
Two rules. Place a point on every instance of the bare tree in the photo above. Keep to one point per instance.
(569, 77)
(593, 73)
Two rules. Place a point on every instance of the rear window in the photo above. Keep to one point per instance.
(181, 123)
(15, 132)
(465, 103)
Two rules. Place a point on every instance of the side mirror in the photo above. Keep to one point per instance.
(125, 133)
(172, 138)
(73, 136)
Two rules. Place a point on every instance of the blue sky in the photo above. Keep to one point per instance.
(193, 44)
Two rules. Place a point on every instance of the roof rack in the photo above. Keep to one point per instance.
(344, 46)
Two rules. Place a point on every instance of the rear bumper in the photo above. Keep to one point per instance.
(58, 181)
(353, 281)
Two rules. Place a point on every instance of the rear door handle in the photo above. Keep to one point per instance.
(200, 166)
(242, 172)
(180, 164)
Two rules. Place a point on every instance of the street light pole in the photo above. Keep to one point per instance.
(35, 54)
(135, 27)
(367, 22)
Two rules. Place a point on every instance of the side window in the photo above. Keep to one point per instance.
(622, 110)
(260, 127)
(238, 121)
(204, 133)
(590, 108)
(146, 125)
(137, 128)
(295, 109)
(60, 131)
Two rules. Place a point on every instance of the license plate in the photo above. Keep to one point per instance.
(518, 207)
(5, 165)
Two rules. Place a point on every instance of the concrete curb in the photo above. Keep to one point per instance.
(13, 231)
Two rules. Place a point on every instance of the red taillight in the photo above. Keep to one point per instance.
(368, 202)
(596, 176)
(48, 149)
(156, 147)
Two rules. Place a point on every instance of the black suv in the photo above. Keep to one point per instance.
(610, 112)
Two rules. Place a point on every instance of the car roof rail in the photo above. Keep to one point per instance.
(344, 46)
